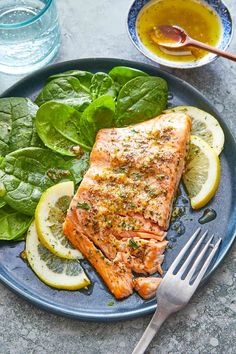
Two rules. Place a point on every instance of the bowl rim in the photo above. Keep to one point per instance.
(172, 64)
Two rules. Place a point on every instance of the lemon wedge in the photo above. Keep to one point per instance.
(54, 271)
(204, 125)
(202, 172)
(49, 218)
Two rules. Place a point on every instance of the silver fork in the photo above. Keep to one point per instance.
(176, 289)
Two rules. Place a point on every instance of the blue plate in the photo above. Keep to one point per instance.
(227, 32)
(94, 303)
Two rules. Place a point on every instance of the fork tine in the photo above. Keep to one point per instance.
(206, 265)
(192, 253)
(182, 252)
(198, 259)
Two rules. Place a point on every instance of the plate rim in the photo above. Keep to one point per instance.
(128, 314)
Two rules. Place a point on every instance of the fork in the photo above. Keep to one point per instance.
(177, 287)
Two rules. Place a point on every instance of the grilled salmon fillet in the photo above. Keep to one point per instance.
(120, 213)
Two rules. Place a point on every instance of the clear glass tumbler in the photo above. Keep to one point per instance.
(29, 34)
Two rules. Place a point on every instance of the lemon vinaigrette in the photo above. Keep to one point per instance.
(195, 17)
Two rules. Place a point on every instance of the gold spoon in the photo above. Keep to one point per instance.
(176, 37)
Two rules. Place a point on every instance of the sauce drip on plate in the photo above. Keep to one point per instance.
(208, 215)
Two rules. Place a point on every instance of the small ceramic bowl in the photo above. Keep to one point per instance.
(227, 32)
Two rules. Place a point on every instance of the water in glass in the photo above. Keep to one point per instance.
(29, 34)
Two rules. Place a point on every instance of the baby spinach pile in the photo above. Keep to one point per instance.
(48, 141)
(27, 167)
(74, 105)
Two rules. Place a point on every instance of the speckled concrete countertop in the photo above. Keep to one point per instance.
(96, 28)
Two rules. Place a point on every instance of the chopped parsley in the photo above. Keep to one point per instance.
(122, 169)
(133, 244)
(137, 176)
(160, 177)
(85, 206)
(133, 130)
(111, 303)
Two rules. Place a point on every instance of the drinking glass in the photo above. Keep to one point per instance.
(29, 34)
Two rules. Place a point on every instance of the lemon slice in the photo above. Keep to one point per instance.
(49, 218)
(205, 126)
(54, 271)
(202, 172)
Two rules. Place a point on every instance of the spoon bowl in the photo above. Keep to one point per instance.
(169, 36)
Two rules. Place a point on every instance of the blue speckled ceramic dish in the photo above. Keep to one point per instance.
(94, 304)
(226, 37)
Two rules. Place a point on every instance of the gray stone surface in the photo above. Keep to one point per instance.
(96, 28)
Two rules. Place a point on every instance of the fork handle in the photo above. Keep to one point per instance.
(154, 325)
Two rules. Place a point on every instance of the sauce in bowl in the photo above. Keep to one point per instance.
(197, 18)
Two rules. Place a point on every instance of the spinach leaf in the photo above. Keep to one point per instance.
(64, 118)
(102, 84)
(13, 224)
(99, 114)
(140, 99)
(58, 125)
(122, 74)
(78, 167)
(2, 202)
(25, 174)
(66, 90)
(17, 128)
(84, 77)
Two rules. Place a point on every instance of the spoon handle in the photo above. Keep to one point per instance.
(211, 49)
